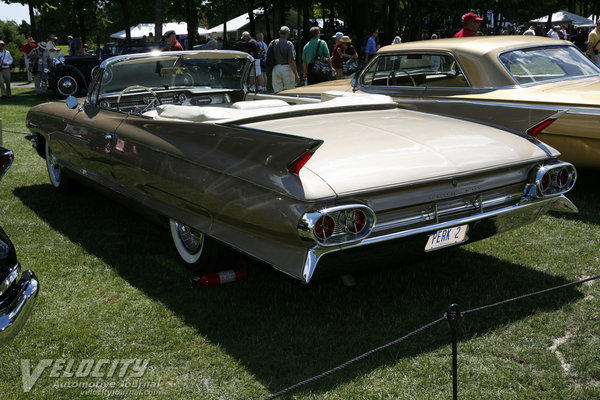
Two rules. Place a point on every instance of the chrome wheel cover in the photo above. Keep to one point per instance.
(53, 168)
(189, 242)
(67, 85)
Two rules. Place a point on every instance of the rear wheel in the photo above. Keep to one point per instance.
(194, 248)
(58, 179)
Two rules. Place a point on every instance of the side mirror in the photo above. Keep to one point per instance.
(72, 102)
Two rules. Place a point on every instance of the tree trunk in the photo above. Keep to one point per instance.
(268, 33)
(225, 44)
(192, 23)
(126, 20)
(32, 19)
(158, 20)
(251, 19)
(81, 21)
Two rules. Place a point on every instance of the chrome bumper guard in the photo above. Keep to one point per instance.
(501, 219)
(16, 305)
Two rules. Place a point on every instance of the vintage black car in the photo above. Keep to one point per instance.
(16, 297)
(71, 75)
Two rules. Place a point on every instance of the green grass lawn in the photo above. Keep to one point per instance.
(111, 288)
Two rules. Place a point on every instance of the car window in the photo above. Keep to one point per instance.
(172, 72)
(540, 64)
(416, 70)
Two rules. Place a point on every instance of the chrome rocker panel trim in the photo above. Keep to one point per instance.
(503, 219)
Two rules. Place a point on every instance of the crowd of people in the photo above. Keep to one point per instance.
(37, 59)
(319, 59)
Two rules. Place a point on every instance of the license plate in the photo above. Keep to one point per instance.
(446, 237)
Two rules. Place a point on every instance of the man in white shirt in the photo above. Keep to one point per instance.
(5, 61)
(51, 47)
(530, 31)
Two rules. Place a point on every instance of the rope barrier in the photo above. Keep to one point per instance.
(451, 316)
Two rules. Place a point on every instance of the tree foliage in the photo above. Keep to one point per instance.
(95, 20)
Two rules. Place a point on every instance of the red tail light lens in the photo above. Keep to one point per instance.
(354, 220)
(563, 177)
(296, 165)
(545, 182)
(324, 227)
(536, 129)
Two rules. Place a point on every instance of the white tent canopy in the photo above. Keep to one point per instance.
(138, 31)
(567, 18)
(237, 23)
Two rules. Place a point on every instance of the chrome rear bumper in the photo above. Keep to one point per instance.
(481, 225)
(16, 305)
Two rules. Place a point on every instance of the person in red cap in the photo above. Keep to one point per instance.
(470, 23)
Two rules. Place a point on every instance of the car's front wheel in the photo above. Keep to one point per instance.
(194, 248)
(58, 179)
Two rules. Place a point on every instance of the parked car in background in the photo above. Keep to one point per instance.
(491, 79)
(71, 75)
(17, 297)
(289, 184)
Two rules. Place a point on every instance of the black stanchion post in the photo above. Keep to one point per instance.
(452, 316)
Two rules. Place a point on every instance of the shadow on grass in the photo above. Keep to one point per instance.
(586, 196)
(283, 331)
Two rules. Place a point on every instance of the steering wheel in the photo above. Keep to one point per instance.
(409, 75)
(130, 88)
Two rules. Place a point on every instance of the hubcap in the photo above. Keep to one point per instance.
(53, 167)
(191, 239)
(67, 85)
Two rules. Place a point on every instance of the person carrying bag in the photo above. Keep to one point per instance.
(318, 68)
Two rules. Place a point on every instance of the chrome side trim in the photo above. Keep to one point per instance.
(515, 216)
(16, 309)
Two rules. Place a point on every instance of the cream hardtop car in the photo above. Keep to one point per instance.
(492, 79)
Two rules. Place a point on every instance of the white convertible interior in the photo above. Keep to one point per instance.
(270, 107)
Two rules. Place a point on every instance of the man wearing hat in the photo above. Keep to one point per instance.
(171, 40)
(5, 61)
(250, 46)
(51, 47)
(40, 59)
(336, 58)
(25, 50)
(470, 23)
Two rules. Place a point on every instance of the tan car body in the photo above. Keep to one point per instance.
(225, 170)
(493, 96)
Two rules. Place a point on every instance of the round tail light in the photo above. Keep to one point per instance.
(563, 177)
(545, 182)
(324, 227)
(353, 220)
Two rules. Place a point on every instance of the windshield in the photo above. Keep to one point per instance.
(541, 64)
(188, 71)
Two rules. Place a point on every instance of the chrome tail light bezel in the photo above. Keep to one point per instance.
(547, 182)
(363, 220)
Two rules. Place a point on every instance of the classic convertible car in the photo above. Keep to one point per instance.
(490, 79)
(285, 183)
(16, 297)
